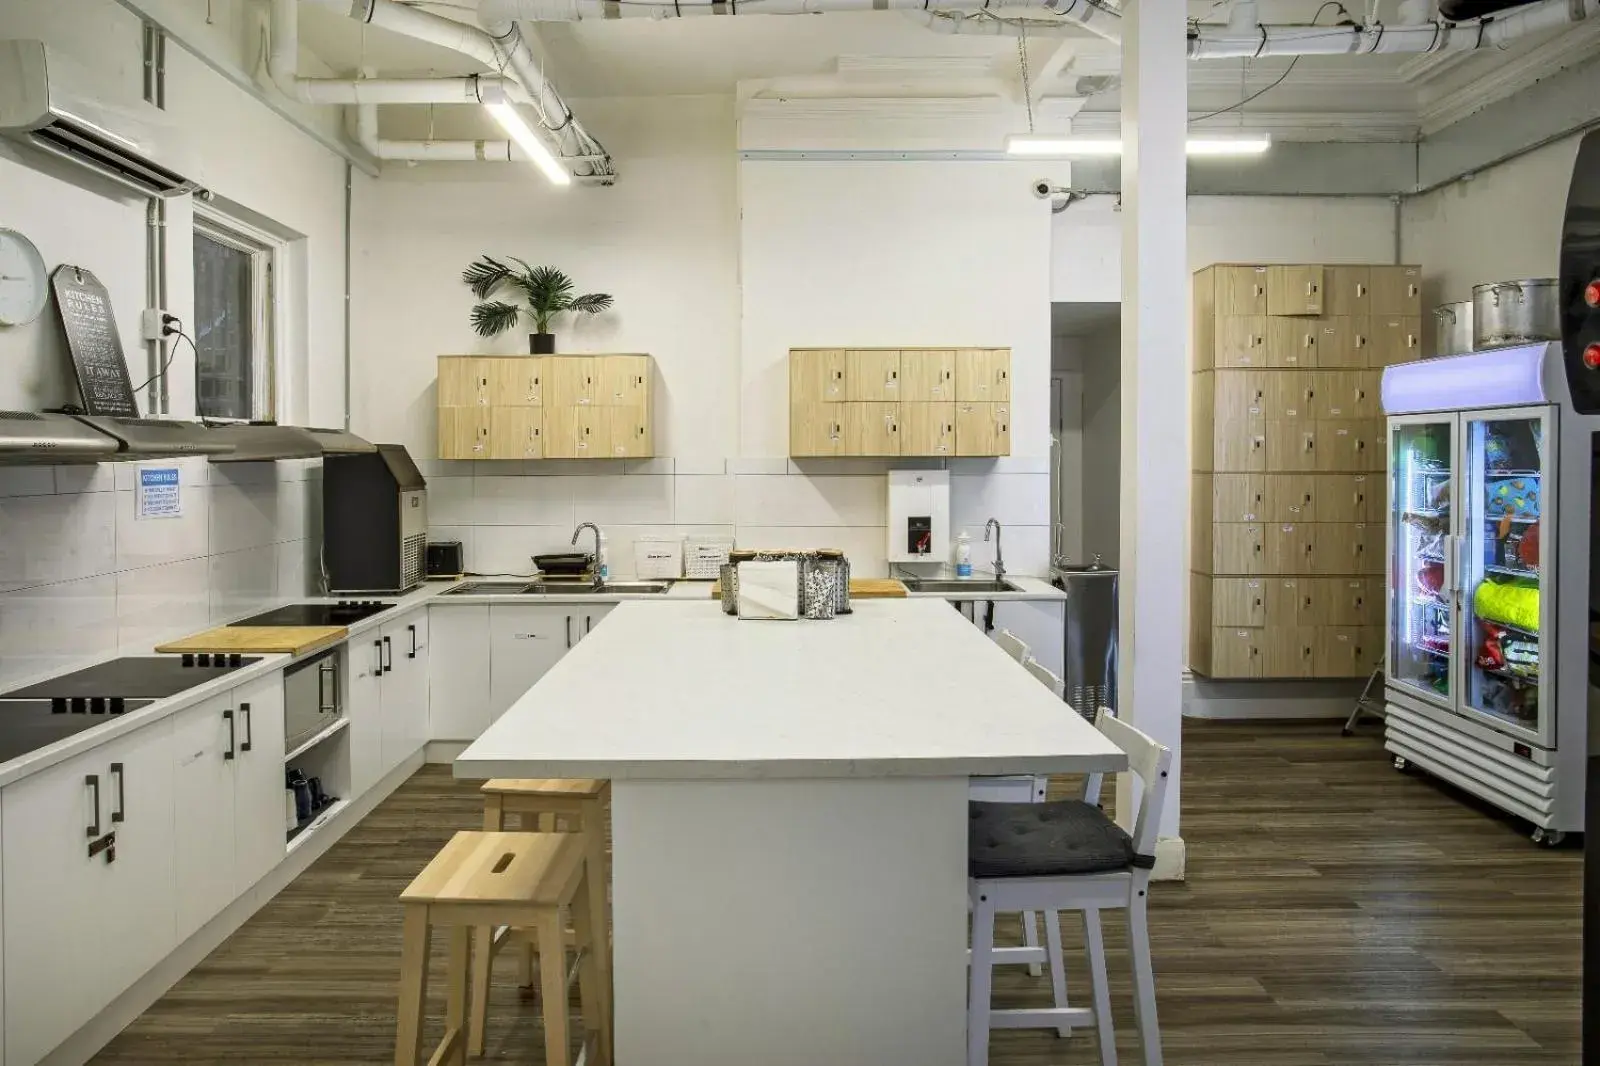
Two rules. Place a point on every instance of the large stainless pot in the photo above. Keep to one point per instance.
(1511, 312)
(1452, 328)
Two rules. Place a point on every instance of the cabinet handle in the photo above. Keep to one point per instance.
(1411, 340)
(122, 793)
(377, 646)
(1361, 342)
(93, 783)
(1413, 290)
(249, 730)
(588, 624)
(1311, 288)
(569, 632)
(327, 671)
(227, 716)
(412, 654)
(387, 656)
(1361, 290)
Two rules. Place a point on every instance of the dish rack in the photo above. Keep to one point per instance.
(704, 557)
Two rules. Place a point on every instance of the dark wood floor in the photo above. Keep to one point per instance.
(1336, 913)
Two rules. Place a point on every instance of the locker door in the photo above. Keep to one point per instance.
(1283, 600)
(1346, 447)
(1241, 341)
(1242, 394)
(1341, 342)
(1293, 343)
(1292, 395)
(983, 375)
(1290, 548)
(1397, 290)
(1236, 652)
(983, 429)
(1349, 290)
(516, 433)
(463, 432)
(464, 381)
(1345, 651)
(1238, 601)
(1395, 339)
(1241, 290)
(816, 429)
(1289, 651)
(517, 381)
(1292, 497)
(1238, 446)
(1237, 497)
(1294, 290)
(816, 375)
(577, 432)
(571, 381)
(872, 374)
(1292, 446)
(623, 380)
(927, 376)
(928, 429)
(1238, 549)
(872, 429)
(629, 435)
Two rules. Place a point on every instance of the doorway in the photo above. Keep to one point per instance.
(1086, 431)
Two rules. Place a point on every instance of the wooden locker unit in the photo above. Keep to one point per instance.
(872, 429)
(927, 375)
(872, 374)
(928, 428)
(983, 429)
(516, 433)
(514, 381)
(1294, 290)
(1288, 514)
(983, 375)
(816, 429)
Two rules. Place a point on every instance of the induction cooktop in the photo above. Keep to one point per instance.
(135, 677)
(28, 725)
(317, 614)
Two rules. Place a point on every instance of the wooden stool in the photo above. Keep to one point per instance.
(549, 805)
(492, 879)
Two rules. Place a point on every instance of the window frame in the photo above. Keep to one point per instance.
(268, 310)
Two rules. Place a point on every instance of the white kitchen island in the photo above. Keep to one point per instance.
(789, 825)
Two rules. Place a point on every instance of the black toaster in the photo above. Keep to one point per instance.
(445, 559)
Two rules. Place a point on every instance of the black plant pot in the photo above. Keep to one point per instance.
(542, 343)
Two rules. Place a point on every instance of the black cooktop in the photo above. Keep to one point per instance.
(318, 614)
(28, 725)
(134, 677)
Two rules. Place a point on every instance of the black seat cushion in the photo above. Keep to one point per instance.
(1045, 839)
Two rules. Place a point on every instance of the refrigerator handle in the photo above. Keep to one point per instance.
(1451, 558)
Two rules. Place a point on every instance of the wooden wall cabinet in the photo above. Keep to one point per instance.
(933, 402)
(549, 407)
(1288, 505)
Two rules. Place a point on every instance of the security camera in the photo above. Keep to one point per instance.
(1044, 190)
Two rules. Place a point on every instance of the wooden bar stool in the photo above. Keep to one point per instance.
(522, 880)
(576, 805)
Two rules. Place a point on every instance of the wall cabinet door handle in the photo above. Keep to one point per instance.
(92, 781)
(249, 731)
(121, 811)
(227, 716)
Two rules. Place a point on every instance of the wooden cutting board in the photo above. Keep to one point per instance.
(861, 588)
(278, 640)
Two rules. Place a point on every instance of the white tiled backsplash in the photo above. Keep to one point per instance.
(82, 576)
(504, 513)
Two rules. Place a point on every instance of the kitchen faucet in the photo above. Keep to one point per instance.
(598, 579)
(999, 556)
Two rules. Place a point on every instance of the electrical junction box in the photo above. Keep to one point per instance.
(919, 516)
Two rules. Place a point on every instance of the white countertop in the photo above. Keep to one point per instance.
(682, 691)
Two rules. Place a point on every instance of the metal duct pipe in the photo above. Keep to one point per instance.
(585, 155)
(429, 151)
(1432, 36)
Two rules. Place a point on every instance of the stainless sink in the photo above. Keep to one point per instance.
(489, 588)
(610, 588)
(917, 584)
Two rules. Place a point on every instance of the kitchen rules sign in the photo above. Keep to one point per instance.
(158, 492)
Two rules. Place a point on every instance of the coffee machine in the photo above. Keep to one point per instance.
(1580, 339)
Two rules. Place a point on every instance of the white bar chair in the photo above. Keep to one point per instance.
(1012, 645)
(1068, 856)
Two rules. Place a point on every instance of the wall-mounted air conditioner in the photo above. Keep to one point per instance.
(57, 106)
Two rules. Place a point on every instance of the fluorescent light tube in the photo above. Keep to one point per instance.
(532, 147)
(1254, 144)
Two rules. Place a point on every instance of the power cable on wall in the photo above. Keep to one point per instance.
(1282, 77)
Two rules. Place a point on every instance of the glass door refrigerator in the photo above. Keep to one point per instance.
(1486, 660)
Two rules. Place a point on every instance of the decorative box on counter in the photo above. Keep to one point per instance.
(807, 584)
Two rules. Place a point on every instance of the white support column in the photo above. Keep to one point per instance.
(1155, 389)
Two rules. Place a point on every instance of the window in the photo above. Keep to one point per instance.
(234, 321)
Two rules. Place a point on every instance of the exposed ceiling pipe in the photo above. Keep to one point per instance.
(283, 63)
(586, 157)
(1089, 14)
(427, 151)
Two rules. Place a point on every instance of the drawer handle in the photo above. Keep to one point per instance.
(92, 782)
(121, 811)
(249, 731)
(227, 716)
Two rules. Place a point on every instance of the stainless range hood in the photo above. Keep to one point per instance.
(341, 442)
(28, 437)
(260, 442)
(158, 438)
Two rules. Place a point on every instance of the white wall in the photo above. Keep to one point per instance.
(241, 150)
(80, 575)
(1503, 223)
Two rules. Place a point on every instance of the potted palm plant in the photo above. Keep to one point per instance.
(546, 291)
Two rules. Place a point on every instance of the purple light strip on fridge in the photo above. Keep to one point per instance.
(1500, 377)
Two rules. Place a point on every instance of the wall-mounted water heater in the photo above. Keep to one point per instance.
(919, 516)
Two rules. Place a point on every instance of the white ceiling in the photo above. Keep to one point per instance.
(1326, 97)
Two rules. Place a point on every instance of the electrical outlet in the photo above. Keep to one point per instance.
(150, 323)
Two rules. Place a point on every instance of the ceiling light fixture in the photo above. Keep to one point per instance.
(1068, 146)
(523, 137)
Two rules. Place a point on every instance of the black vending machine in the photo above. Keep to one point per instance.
(1580, 338)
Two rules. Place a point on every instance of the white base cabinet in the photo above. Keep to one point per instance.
(363, 705)
(82, 927)
(228, 798)
(485, 657)
(404, 692)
